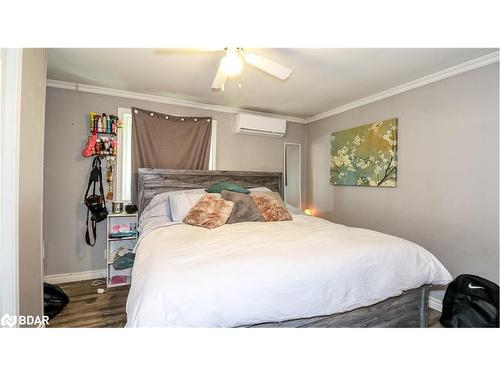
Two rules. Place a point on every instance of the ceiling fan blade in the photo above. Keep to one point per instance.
(267, 65)
(219, 80)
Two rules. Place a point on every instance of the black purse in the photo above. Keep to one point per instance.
(96, 203)
(54, 300)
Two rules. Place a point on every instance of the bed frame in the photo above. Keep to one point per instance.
(153, 181)
(410, 309)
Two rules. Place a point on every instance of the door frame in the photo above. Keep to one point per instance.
(300, 170)
(10, 125)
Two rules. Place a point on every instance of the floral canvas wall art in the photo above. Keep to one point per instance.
(366, 155)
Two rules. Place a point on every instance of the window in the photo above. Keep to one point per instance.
(123, 172)
(124, 157)
(212, 162)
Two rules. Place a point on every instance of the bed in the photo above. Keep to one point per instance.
(307, 272)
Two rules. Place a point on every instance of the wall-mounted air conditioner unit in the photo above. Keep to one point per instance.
(260, 125)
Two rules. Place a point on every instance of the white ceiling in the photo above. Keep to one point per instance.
(322, 79)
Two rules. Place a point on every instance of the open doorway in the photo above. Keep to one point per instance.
(292, 175)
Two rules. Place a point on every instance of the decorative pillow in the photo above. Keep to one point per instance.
(210, 212)
(244, 208)
(219, 186)
(271, 195)
(181, 203)
(270, 208)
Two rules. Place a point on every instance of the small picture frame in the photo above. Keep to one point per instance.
(117, 207)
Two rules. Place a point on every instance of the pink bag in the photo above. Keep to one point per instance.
(89, 148)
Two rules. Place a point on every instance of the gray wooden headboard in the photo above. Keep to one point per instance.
(153, 181)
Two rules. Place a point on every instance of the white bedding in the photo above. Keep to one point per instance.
(248, 273)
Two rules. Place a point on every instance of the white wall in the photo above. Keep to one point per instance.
(66, 172)
(446, 197)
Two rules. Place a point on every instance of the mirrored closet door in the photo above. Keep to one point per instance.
(291, 175)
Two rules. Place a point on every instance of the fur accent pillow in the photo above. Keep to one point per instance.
(209, 212)
(271, 195)
(244, 208)
(181, 203)
(270, 207)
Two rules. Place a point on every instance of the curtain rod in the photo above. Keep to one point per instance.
(195, 119)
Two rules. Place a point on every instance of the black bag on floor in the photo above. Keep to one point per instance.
(54, 300)
(470, 301)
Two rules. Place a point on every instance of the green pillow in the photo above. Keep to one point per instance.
(219, 186)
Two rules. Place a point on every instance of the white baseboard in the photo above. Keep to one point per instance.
(77, 276)
(436, 304)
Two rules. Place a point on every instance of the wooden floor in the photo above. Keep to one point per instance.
(89, 309)
(434, 316)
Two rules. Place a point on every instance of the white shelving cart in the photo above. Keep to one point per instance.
(119, 240)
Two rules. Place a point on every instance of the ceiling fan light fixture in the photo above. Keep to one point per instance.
(231, 64)
(251, 58)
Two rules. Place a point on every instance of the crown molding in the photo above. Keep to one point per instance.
(476, 63)
(161, 99)
(62, 84)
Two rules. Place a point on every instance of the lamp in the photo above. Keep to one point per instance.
(308, 212)
(231, 64)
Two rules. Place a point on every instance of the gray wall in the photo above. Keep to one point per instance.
(31, 181)
(447, 194)
(66, 171)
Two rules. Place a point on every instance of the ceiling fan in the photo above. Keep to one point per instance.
(232, 64)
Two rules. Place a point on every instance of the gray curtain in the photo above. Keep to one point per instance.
(169, 142)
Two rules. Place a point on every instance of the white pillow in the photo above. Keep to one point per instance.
(294, 210)
(161, 209)
(182, 202)
(260, 188)
(158, 208)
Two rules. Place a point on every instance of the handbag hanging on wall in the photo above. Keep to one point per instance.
(96, 203)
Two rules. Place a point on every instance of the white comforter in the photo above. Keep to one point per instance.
(249, 273)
